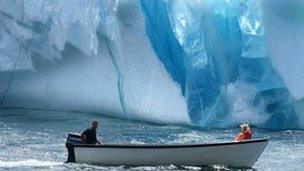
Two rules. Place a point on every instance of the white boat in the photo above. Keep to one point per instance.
(237, 154)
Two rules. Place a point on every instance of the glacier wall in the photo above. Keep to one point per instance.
(208, 63)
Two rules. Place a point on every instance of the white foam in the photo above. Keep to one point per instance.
(28, 163)
(241, 97)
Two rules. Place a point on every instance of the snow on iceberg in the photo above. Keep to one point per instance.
(209, 63)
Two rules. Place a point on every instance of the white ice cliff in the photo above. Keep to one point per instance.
(211, 63)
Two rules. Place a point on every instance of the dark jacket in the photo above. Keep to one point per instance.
(90, 136)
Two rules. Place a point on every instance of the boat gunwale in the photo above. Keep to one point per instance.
(151, 146)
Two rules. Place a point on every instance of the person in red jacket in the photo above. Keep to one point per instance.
(245, 134)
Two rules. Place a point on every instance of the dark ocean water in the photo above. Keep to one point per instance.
(35, 140)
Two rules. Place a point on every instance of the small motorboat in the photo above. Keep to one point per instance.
(237, 154)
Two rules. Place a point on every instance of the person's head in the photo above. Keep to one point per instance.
(245, 127)
(94, 124)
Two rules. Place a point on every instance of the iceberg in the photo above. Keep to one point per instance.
(213, 64)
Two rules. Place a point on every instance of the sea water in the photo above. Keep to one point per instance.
(35, 140)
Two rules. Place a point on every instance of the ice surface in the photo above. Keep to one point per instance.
(285, 36)
(209, 63)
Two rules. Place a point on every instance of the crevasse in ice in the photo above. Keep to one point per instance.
(209, 63)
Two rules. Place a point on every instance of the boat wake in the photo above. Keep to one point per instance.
(28, 163)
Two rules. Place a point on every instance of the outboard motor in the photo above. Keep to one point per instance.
(72, 139)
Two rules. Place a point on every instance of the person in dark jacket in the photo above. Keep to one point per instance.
(89, 135)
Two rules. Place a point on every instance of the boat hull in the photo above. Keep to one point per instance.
(238, 154)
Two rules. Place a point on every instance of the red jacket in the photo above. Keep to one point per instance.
(244, 136)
